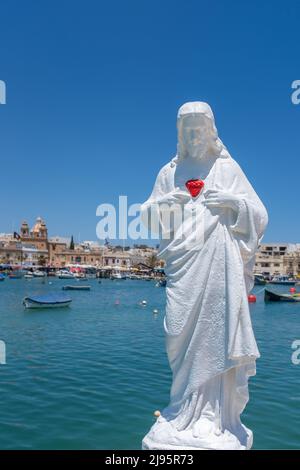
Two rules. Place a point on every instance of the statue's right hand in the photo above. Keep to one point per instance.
(178, 196)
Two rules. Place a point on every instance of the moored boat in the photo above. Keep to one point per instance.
(39, 273)
(15, 275)
(259, 280)
(28, 276)
(271, 296)
(79, 276)
(118, 276)
(77, 287)
(283, 280)
(47, 301)
(2, 277)
(64, 274)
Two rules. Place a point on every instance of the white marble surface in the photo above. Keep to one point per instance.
(210, 342)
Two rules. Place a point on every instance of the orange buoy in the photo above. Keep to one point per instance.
(251, 298)
(292, 290)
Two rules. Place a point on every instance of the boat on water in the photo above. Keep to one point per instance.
(161, 283)
(283, 280)
(47, 301)
(2, 277)
(28, 276)
(64, 274)
(39, 273)
(79, 276)
(259, 280)
(271, 296)
(15, 275)
(76, 287)
(118, 276)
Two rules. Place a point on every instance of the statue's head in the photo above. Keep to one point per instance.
(197, 133)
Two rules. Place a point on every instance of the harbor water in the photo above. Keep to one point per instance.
(90, 376)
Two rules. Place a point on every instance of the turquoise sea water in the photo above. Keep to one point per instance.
(90, 376)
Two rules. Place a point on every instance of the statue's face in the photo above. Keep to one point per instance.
(195, 135)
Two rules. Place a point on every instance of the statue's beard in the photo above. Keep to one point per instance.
(197, 152)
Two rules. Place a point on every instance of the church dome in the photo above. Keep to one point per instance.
(39, 225)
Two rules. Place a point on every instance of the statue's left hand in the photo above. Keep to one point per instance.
(216, 198)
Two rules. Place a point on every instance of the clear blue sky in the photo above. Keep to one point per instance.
(93, 88)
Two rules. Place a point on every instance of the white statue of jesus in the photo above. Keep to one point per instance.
(210, 342)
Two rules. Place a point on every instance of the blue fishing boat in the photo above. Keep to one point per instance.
(259, 280)
(271, 296)
(2, 277)
(283, 280)
(47, 301)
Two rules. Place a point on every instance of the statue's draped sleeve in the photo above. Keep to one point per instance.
(150, 208)
(251, 218)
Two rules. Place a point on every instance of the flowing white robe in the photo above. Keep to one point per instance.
(210, 342)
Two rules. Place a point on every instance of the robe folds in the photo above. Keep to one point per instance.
(209, 338)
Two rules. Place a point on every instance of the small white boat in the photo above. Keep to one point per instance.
(28, 276)
(118, 276)
(38, 273)
(79, 276)
(64, 274)
(47, 301)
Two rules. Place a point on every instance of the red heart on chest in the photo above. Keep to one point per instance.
(194, 187)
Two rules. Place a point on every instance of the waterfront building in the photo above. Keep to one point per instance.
(86, 253)
(291, 263)
(4, 237)
(142, 255)
(33, 256)
(10, 251)
(27, 248)
(278, 258)
(34, 243)
(37, 236)
(269, 259)
(116, 259)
